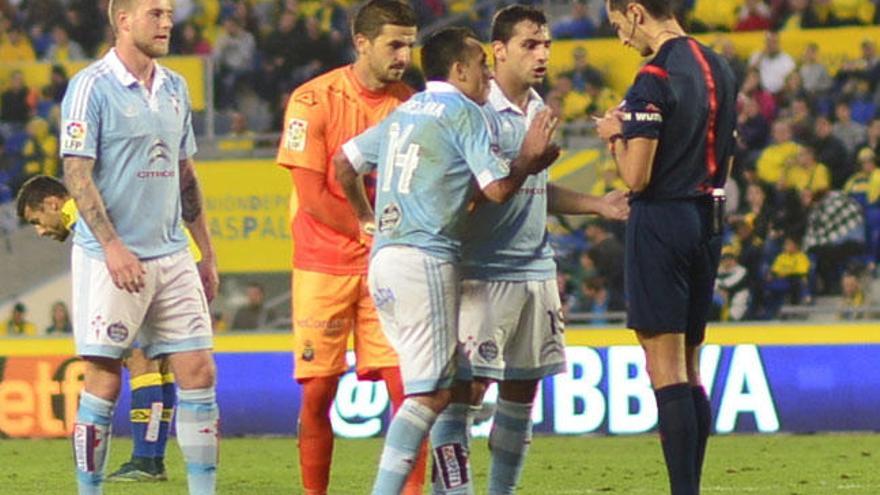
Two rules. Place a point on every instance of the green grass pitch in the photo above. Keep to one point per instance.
(740, 464)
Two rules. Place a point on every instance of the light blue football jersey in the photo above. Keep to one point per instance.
(509, 241)
(137, 139)
(428, 153)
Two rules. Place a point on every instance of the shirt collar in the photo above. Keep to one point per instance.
(440, 87)
(127, 78)
(500, 102)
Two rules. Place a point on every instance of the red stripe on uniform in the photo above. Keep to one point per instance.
(654, 70)
(711, 160)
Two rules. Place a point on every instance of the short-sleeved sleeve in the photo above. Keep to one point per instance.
(362, 150)
(303, 139)
(477, 142)
(645, 104)
(188, 146)
(81, 117)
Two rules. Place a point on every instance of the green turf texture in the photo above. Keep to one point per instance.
(740, 464)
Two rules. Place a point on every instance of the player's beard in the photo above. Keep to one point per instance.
(152, 48)
(389, 74)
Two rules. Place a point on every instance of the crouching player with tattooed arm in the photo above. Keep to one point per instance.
(127, 145)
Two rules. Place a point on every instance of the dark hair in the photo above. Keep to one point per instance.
(659, 9)
(35, 190)
(444, 48)
(508, 17)
(377, 13)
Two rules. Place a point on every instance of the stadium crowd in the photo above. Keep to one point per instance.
(804, 219)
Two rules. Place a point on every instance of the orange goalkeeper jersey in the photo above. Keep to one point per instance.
(321, 116)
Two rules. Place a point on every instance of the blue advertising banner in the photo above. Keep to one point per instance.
(605, 390)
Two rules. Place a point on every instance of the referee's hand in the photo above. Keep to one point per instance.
(125, 268)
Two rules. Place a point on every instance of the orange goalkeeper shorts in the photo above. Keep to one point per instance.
(327, 309)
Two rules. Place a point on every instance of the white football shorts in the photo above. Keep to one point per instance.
(169, 315)
(417, 296)
(512, 330)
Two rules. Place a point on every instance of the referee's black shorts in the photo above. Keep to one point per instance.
(670, 266)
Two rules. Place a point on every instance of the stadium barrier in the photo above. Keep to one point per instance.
(761, 378)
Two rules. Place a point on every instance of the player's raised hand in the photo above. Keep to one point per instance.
(125, 268)
(537, 147)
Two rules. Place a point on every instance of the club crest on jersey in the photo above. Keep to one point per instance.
(74, 135)
(295, 136)
(308, 353)
(117, 332)
(390, 218)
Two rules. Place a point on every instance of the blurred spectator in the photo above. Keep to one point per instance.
(861, 105)
(864, 187)
(17, 323)
(772, 63)
(63, 49)
(594, 298)
(846, 12)
(835, 234)
(867, 66)
(573, 103)
(872, 136)
(815, 76)
(253, 315)
(577, 25)
(755, 210)
(801, 118)
(806, 173)
(753, 129)
(752, 88)
(333, 20)
(797, 14)
(278, 59)
(84, 22)
(218, 322)
(582, 72)
(832, 152)
(190, 41)
(850, 133)
(234, 55)
(728, 50)
(60, 318)
(787, 278)
(601, 99)
(16, 47)
(57, 84)
(40, 151)
(791, 90)
(239, 138)
(714, 15)
(854, 297)
(778, 155)
(14, 108)
(606, 253)
(316, 54)
(754, 15)
(41, 39)
(732, 287)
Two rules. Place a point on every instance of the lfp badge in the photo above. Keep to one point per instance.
(74, 138)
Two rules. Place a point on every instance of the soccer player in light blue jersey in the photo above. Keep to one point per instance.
(127, 145)
(511, 320)
(429, 154)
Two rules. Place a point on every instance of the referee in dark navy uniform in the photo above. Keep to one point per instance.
(672, 138)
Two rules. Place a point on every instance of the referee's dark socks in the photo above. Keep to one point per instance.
(678, 435)
(704, 425)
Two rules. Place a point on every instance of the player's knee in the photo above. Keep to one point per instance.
(194, 371)
(478, 391)
(103, 377)
(522, 391)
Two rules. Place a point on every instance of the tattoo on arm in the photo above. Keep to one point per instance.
(79, 182)
(190, 193)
